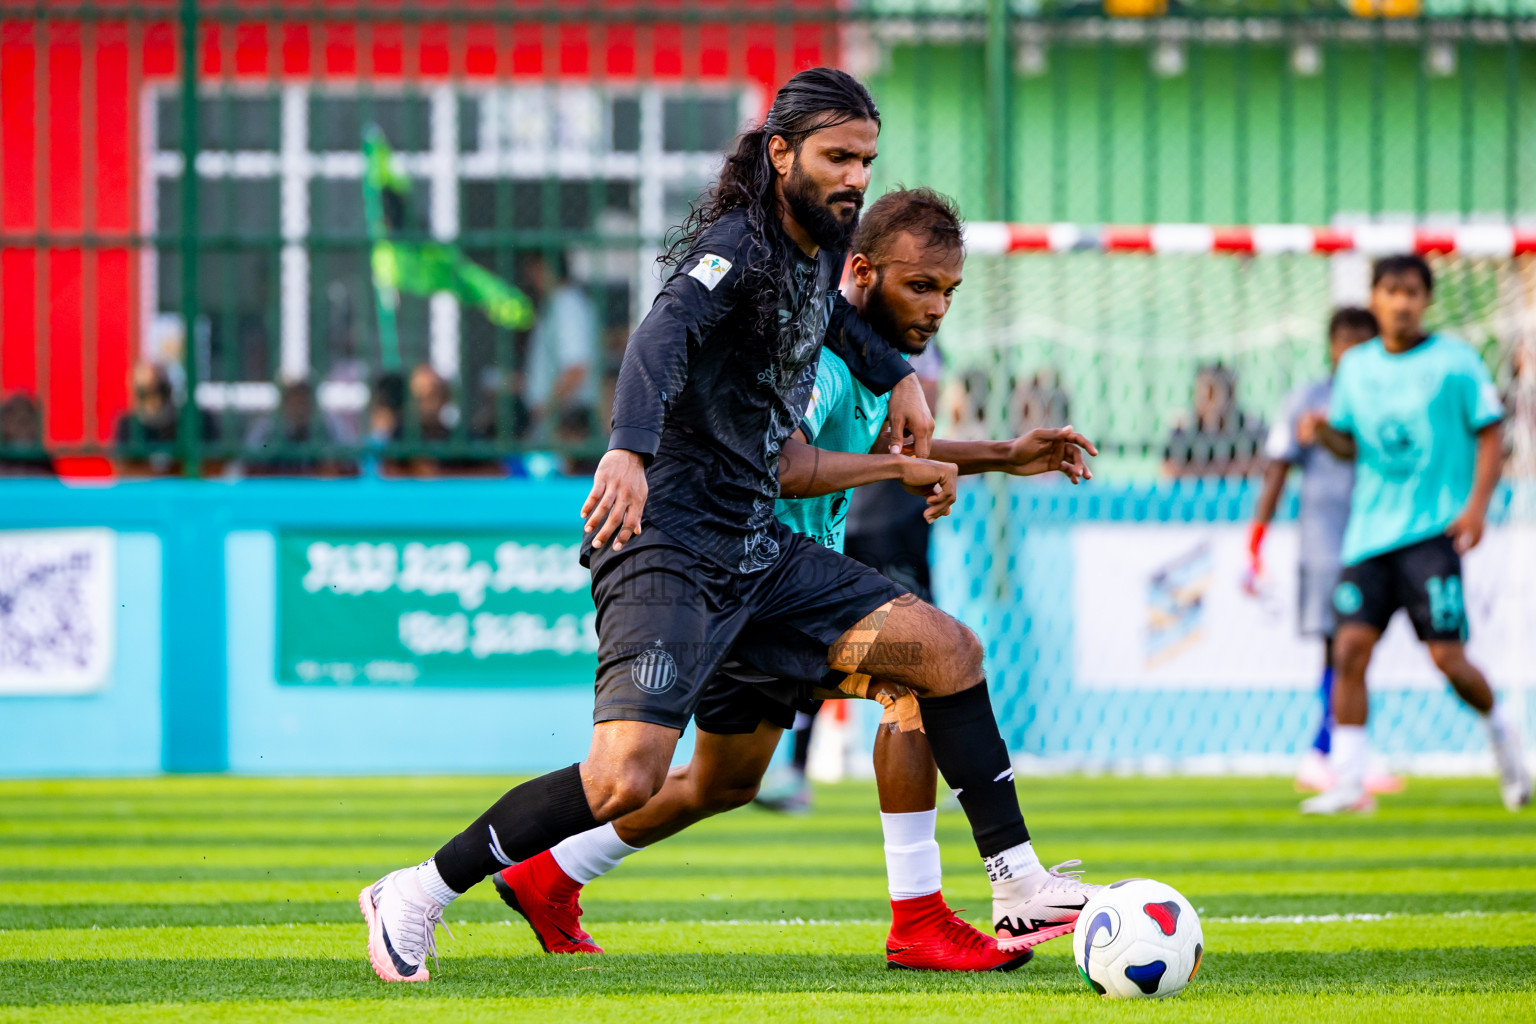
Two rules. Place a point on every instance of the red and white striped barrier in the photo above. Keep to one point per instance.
(994, 238)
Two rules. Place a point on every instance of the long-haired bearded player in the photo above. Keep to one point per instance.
(686, 555)
(907, 264)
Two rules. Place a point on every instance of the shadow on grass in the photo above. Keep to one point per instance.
(19, 916)
(1444, 971)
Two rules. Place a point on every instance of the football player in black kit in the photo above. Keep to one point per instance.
(689, 563)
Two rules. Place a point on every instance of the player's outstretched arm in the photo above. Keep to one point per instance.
(806, 471)
(1047, 450)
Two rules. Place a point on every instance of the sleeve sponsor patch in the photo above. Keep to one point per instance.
(710, 270)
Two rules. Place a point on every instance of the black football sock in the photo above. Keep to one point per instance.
(527, 820)
(802, 745)
(973, 759)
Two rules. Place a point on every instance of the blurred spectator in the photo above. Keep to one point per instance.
(1221, 440)
(500, 411)
(386, 405)
(146, 434)
(291, 440)
(970, 404)
(1040, 403)
(428, 421)
(561, 386)
(21, 438)
(346, 372)
(981, 411)
(432, 400)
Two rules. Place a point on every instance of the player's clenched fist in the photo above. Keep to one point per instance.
(935, 481)
(909, 416)
(617, 500)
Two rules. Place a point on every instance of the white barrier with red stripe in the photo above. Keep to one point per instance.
(996, 238)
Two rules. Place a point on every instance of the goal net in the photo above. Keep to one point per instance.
(1119, 631)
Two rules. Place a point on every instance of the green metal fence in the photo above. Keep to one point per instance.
(531, 151)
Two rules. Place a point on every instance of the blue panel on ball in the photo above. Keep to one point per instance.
(1147, 976)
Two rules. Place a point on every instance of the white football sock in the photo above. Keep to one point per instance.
(911, 853)
(1350, 752)
(1497, 723)
(1503, 737)
(1015, 873)
(591, 853)
(432, 883)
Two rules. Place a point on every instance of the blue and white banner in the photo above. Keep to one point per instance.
(1164, 607)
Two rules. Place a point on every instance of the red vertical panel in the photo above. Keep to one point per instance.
(480, 50)
(620, 56)
(761, 66)
(211, 63)
(575, 52)
(116, 311)
(64, 129)
(18, 194)
(63, 372)
(714, 51)
(114, 160)
(251, 50)
(667, 60)
(296, 50)
(160, 50)
(62, 405)
(527, 49)
(388, 49)
(18, 320)
(18, 205)
(808, 51)
(340, 49)
(433, 52)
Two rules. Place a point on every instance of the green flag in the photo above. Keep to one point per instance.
(422, 268)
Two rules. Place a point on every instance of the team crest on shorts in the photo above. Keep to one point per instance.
(653, 670)
(1347, 598)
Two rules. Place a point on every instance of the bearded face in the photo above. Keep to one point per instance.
(829, 213)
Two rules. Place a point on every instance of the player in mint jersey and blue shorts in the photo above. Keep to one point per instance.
(907, 265)
(1421, 418)
(1326, 484)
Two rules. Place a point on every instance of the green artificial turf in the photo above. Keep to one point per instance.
(213, 899)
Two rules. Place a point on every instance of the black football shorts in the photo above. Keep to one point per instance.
(1422, 578)
(668, 618)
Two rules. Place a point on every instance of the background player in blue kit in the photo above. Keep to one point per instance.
(1326, 483)
(1420, 417)
(905, 270)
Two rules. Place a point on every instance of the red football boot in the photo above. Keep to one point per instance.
(546, 897)
(927, 936)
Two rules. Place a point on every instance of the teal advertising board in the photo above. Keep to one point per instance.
(425, 608)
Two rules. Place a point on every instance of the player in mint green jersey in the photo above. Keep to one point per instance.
(907, 265)
(1420, 417)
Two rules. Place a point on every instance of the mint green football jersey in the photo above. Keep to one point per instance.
(842, 416)
(1415, 417)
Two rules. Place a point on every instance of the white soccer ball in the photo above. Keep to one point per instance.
(1138, 939)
